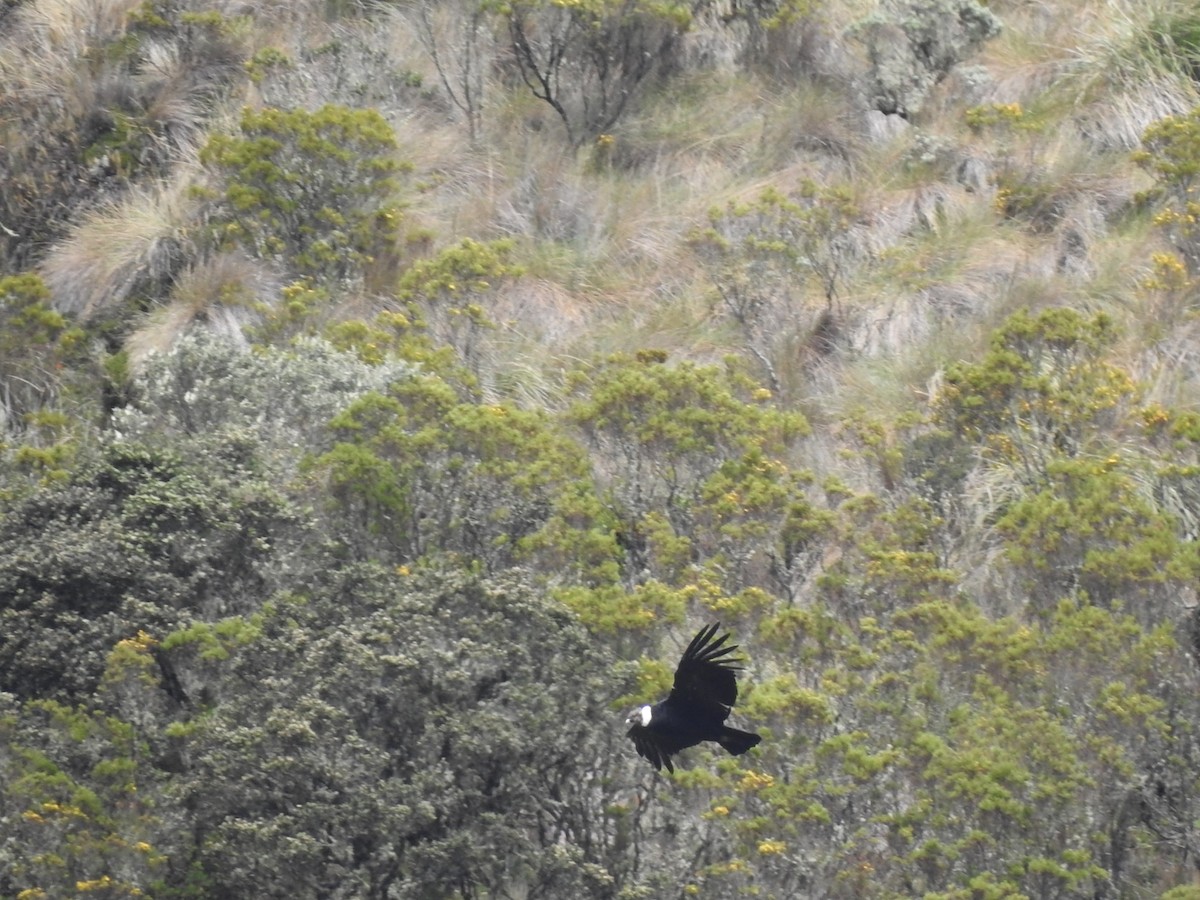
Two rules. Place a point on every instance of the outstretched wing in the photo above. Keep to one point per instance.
(705, 680)
(653, 747)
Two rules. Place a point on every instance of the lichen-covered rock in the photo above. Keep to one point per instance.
(913, 44)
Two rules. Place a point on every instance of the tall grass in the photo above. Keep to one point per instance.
(128, 250)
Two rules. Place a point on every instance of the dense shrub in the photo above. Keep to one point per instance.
(312, 191)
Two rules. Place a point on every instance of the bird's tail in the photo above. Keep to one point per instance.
(738, 742)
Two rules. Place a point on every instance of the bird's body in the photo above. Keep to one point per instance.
(705, 689)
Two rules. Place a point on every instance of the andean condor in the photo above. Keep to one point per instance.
(697, 707)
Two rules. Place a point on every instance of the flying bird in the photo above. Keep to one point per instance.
(696, 709)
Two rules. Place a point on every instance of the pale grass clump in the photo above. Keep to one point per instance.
(59, 32)
(884, 388)
(1124, 72)
(926, 209)
(48, 62)
(125, 248)
(548, 198)
(373, 61)
(701, 131)
(816, 122)
(1117, 119)
(220, 295)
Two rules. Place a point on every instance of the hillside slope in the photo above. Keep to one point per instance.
(388, 391)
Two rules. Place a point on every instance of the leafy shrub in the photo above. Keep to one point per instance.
(671, 444)
(313, 191)
(418, 726)
(1172, 154)
(80, 804)
(1043, 390)
(417, 473)
(277, 401)
(452, 290)
(36, 346)
(136, 539)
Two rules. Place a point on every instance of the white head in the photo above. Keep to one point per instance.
(639, 717)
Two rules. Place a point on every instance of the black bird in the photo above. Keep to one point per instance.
(697, 707)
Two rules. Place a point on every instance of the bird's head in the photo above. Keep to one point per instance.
(640, 716)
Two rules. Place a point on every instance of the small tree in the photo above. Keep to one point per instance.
(588, 60)
(415, 473)
(36, 345)
(670, 444)
(451, 290)
(1042, 392)
(460, 40)
(761, 255)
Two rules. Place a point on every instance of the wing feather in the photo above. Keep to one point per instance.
(650, 747)
(706, 678)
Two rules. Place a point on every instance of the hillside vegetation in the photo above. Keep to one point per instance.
(389, 390)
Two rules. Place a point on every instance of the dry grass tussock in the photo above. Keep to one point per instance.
(64, 29)
(1124, 73)
(127, 247)
(44, 53)
(221, 294)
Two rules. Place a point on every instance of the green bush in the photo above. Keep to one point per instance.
(1171, 152)
(137, 538)
(687, 460)
(313, 191)
(49, 389)
(416, 473)
(1043, 391)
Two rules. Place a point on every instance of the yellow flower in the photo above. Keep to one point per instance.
(752, 781)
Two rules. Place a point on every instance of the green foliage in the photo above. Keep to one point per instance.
(609, 609)
(420, 473)
(313, 190)
(1047, 408)
(453, 289)
(684, 454)
(1043, 390)
(264, 61)
(38, 349)
(1172, 155)
(211, 399)
(416, 727)
(327, 615)
(1090, 529)
(1172, 39)
(71, 787)
(137, 539)
(954, 744)
(760, 257)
